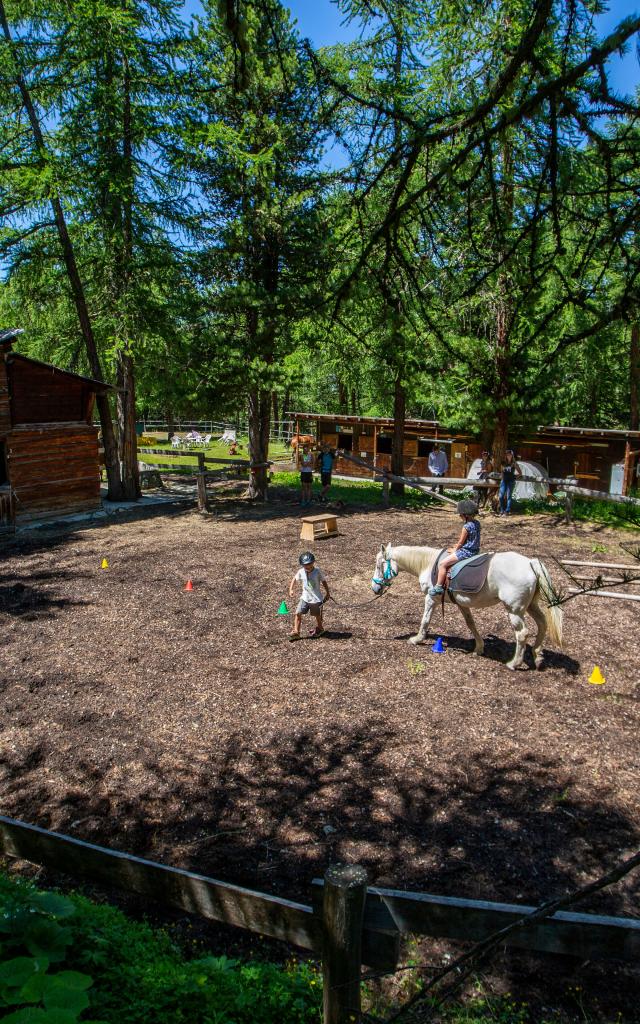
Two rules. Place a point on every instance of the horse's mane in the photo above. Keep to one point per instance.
(413, 559)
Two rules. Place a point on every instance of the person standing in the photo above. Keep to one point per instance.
(306, 474)
(438, 464)
(509, 470)
(326, 458)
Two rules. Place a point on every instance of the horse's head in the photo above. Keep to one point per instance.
(386, 570)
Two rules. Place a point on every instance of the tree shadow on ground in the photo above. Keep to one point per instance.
(35, 599)
(274, 814)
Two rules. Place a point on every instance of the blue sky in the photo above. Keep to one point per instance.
(322, 22)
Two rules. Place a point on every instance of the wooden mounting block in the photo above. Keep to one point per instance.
(313, 526)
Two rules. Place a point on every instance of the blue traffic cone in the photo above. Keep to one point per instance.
(438, 647)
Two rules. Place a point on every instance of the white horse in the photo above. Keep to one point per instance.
(520, 583)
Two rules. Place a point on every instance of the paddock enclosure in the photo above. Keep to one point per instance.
(185, 727)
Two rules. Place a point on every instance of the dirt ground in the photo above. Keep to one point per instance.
(185, 726)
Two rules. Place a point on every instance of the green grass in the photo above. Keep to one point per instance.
(67, 959)
(606, 512)
(215, 450)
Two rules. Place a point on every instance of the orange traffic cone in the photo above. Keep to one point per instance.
(189, 586)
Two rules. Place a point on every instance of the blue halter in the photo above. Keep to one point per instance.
(388, 574)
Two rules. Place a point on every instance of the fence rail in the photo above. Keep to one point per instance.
(346, 925)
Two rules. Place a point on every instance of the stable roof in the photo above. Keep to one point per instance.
(95, 385)
(415, 424)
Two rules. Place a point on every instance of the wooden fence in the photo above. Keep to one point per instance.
(346, 925)
(238, 467)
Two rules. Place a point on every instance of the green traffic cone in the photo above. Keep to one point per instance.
(283, 610)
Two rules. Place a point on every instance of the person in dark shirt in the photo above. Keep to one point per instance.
(509, 470)
(326, 458)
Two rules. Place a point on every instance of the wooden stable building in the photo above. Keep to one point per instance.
(48, 444)
(605, 460)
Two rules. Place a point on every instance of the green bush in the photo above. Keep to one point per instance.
(64, 960)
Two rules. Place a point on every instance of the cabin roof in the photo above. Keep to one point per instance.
(95, 385)
(588, 433)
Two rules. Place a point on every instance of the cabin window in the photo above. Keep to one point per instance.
(385, 442)
(4, 475)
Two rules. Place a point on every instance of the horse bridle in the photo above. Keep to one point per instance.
(388, 574)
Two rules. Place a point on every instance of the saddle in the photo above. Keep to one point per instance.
(467, 576)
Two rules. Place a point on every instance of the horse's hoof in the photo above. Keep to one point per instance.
(539, 663)
(415, 640)
(478, 652)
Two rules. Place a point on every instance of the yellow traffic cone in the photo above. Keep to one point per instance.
(597, 677)
(104, 564)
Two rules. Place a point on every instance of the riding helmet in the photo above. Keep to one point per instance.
(466, 508)
(307, 558)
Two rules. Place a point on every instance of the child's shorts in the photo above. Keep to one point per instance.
(306, 478)
(305, 606)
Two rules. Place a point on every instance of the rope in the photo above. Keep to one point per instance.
(360, 604)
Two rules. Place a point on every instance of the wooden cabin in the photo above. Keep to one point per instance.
(601, 460)
(48, 443)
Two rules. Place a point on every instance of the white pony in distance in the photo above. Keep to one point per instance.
(521, 584)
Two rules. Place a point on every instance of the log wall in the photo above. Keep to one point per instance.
(53, 468)
(40, 395)
(5, 412)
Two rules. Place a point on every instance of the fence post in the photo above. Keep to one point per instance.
(345, 892)
(568, 506)
(203, 505)
(385, 492)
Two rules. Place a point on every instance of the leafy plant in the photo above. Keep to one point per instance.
(119, 971)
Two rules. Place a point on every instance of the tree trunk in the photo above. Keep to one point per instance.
(397, 444)
(343, 398)
(286, 407)
(354, 402)
(127, 438)
(77, 289)
(125, 365)
(634, 367)
(276, 417)
(259, 419)
(500, 437)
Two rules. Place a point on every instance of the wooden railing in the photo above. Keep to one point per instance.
(346, 925)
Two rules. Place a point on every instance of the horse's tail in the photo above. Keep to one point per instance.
(544, 597)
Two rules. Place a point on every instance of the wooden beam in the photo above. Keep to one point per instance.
(616, 595)
(273, 916)
(588, 936)
(601, 565)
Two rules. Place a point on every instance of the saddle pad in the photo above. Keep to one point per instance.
(467, 576)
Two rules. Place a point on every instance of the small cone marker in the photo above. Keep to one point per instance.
(597, 677)
(438, 647)
(189, 586)
(283, 610)
(104, 564)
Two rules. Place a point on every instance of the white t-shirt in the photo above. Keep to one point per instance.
(311, 592)
(438, 463)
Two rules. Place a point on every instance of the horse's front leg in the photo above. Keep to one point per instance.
(429, 605)
(520, 629)
(468, 618)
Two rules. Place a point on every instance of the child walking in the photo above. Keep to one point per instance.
(467, 546)
(311, 601)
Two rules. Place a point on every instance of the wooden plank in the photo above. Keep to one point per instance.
(615, 595)
(325, 518)
(273, 916)
(602, 565)
(588, 936)
(197, 894)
